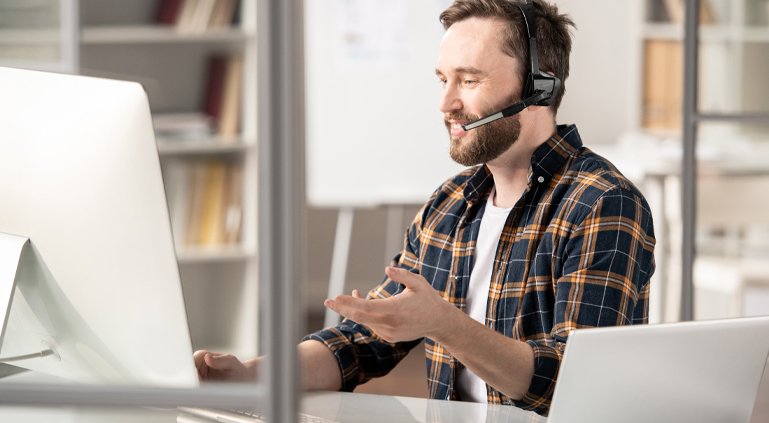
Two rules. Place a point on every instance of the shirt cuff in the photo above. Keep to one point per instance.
(547, 361)
(342, 348)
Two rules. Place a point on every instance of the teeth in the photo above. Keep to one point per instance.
(456, 126)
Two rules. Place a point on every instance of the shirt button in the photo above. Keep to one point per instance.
(541, 179)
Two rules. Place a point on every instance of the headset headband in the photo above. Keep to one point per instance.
(536, 80)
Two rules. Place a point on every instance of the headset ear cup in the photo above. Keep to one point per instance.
(529, 87)
(551, 84)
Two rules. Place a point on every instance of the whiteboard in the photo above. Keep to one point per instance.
(375, 135)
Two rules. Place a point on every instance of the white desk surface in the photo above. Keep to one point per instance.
(335, 406)
(351, 407)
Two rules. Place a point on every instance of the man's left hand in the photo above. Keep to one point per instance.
(416, 312)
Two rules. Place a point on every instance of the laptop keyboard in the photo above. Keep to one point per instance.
(303, 418)
(195, 415)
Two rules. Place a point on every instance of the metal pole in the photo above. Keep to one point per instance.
(281, 195)
(689, 165)
(52, 395)
(70, 36)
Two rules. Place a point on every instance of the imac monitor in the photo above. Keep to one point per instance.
(98, 281)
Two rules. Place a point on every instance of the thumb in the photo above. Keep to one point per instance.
(219, 361)
(404, 277)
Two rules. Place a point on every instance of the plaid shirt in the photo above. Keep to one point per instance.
(577, 251)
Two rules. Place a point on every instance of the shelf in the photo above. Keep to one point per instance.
(669, 31)
(756, 35)
(214, 254)
(213, 145)
(157, 34)
(30, 37)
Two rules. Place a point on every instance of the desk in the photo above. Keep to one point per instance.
(352, 408)
(335, 406)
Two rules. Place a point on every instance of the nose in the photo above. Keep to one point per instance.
(450, 100)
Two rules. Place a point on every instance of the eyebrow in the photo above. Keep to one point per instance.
(463, 70)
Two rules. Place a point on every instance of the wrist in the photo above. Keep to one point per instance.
(448, 319)
(251, 368)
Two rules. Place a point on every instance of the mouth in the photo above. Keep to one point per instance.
(455, 128)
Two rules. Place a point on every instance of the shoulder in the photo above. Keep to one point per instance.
(593, 181)
(449, 201)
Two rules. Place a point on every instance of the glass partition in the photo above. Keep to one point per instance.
(734, 58)
(37, 34)
(229, 305)
(732, 231)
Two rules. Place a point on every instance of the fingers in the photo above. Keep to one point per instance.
(358, 309)
(208, 362)
(199, 356)
(406, 278)
(221, 361)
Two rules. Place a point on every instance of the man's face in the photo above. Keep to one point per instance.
(477, 79)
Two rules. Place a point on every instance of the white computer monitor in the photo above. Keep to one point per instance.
(80, 177)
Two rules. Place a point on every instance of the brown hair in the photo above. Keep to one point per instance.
(553, 37)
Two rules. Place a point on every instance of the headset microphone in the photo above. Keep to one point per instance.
(507, 111)
(540, 88)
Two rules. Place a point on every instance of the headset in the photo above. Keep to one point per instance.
(540, 88)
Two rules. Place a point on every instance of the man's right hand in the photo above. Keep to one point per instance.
(224, 367)
(319, 367)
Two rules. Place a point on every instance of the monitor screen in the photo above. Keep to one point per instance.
(99, 281)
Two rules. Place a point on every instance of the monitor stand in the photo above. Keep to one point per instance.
(18, 263)
(11, 249)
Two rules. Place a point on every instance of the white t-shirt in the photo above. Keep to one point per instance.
(470, 386)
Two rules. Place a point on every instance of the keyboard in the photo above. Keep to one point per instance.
(209, 415)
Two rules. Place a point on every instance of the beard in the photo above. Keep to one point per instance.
(485, 143)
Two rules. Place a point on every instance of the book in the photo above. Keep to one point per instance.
(212, 219)
(196, 16)
(202, 15)
(186, 16)
(197, 203)
(662, 84)
(185, 125)
(233, 215)
(229, 117)
(168, 11)
(217, 66)
(676, 11)
(223, 13)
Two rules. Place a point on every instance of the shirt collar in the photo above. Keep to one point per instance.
(545, 162)
(549, 157)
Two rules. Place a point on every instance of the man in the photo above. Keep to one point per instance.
(539, 237)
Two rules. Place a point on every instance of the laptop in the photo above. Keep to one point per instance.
(704, 371)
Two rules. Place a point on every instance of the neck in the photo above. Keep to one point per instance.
(511, 169)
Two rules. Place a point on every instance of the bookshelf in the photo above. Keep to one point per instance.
(734, 60)
(208, 161)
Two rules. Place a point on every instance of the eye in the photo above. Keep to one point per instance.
(470, 82)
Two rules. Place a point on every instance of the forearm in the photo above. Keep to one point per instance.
(319, 367)
(504, 363)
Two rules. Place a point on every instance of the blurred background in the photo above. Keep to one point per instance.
(376, 146)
